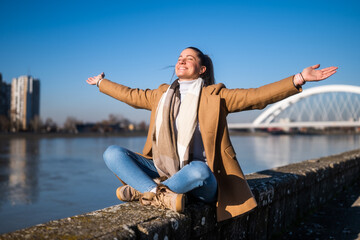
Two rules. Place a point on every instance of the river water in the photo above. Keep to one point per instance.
(43, 179)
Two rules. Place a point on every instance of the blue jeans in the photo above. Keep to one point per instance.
(139, 172)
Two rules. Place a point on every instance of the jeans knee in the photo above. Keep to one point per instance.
(200, 170)
(113, 154)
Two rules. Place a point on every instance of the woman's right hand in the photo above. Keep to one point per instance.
(93, 80)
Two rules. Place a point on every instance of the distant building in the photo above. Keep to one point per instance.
(5, 90)
(25, 102)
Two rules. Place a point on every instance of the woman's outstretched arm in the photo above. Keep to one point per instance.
(137, 98)
(258, 98)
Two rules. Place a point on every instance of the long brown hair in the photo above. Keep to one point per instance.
(205, 60)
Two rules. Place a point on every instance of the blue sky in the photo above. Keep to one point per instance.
(252, 43)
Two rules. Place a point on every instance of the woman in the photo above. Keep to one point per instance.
(188, 149)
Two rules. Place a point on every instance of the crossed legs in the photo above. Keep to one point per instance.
(139, 172)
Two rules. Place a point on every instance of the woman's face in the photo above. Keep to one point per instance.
(188, 66)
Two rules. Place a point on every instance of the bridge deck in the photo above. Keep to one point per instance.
(294, 125)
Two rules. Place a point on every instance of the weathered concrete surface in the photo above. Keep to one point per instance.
(123, 221)
(339, 218)
(284, 195)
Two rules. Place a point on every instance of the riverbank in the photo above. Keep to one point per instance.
(71, 135)
(139, 134)
(283, 194)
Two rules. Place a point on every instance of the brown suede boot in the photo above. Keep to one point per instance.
(147, 198)
(164, 198)
(127, 194)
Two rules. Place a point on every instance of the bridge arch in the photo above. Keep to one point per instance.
(272, 112)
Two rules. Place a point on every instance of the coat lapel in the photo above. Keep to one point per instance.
(209, 109)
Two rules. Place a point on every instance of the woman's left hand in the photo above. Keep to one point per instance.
(95, 79)
(313, 74)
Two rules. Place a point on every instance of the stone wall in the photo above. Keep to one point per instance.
(283, 195)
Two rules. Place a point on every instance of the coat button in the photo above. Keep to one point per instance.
(218, 171)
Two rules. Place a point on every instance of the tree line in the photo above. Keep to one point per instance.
(113, 124)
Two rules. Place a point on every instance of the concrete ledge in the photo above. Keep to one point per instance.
(283, 194)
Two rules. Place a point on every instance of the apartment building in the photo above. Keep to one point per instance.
(4, 98)
(25, 102)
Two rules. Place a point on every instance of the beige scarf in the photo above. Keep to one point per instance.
(171, 150)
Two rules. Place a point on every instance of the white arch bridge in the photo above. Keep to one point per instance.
(326, 106)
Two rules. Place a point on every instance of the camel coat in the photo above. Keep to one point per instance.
(216, 102)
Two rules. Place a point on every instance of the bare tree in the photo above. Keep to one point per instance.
(115, 119)
(142, 126)
(70, 125)
(4, 123)
(35, 124)
(50, 125)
